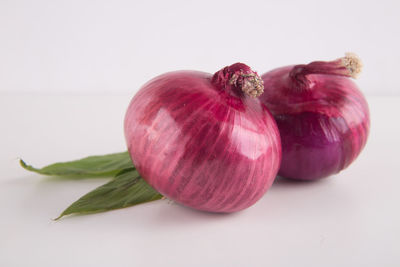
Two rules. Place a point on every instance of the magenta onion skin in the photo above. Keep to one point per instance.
(322, 116)
(201, 141)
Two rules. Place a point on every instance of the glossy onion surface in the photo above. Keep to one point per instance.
(323, 125)
(200, 143)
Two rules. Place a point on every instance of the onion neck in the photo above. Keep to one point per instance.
(238, 79)
(348, 66)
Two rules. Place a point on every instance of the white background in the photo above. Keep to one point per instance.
(67, 72)
(116, 46)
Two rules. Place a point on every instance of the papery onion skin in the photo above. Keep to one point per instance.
(322, 116)
(201, 141)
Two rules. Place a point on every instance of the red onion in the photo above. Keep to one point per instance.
(204, 140)
(322, 117)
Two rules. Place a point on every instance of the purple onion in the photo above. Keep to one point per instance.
(322, 116)
(204, 140)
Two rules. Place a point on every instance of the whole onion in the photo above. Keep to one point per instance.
(204, 140)
(322, 116)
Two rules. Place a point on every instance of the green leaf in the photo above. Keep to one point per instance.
(127, 189)
(93, 166)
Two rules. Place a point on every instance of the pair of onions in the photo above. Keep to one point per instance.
(216, 142)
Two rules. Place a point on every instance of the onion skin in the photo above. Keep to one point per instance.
(322, 116)
(201, 141)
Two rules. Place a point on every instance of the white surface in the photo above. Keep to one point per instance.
(351, 219)
(116, 46)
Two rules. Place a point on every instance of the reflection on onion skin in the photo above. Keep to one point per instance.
(204, 140)
(322, 116)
